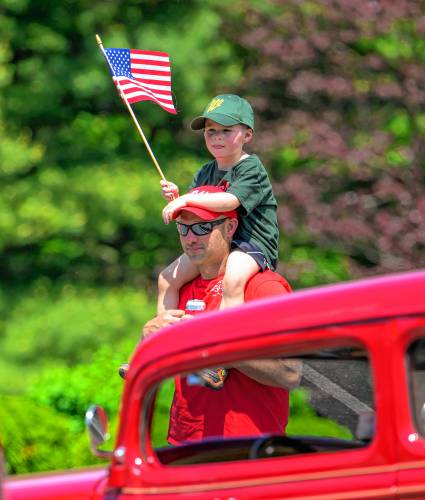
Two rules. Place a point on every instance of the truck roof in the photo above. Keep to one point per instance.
(369, 299)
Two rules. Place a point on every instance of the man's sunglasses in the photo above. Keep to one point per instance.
(200, 228)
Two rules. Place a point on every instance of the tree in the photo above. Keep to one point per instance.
(339, 90)
(80, 199)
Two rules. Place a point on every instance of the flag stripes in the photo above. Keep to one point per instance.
(137, 92)
(142, 75)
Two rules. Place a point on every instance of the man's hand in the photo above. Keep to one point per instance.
(166, 318)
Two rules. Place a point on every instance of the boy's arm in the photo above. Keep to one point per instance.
(171, 279)
(217, 202)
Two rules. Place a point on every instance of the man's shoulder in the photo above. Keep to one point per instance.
(266, 283)
(268, 275)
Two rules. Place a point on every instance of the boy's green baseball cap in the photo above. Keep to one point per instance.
(227, 110)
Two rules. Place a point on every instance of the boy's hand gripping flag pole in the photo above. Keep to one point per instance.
(141, 75)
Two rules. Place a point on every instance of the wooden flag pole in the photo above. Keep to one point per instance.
(130, 110)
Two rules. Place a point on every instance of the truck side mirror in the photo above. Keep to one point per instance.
(97, 426)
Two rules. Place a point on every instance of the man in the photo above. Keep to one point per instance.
(255, 398)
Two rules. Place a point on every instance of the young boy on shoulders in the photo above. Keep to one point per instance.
(228, 125)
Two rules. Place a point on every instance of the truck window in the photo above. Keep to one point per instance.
(416, 368)
(331, 409)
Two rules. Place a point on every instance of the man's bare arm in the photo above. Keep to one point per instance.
(283, 373)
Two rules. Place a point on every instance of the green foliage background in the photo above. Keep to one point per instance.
(338, 90)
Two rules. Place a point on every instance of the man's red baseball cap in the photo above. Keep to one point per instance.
(203, 213)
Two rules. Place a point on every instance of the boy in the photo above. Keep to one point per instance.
(228, 124)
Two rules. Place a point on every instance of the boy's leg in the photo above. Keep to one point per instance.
(171, 279)
(240, 268)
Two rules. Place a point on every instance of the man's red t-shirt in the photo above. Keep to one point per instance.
(243, 407)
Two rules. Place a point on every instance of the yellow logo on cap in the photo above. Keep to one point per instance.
(214, 104)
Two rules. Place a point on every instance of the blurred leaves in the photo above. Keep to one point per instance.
(81, 198)
(30, 447)
(305, 419)
(339, 90)
(57, 401)
(71, 390)
(71, 325)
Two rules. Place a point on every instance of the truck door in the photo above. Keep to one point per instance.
(409, 406)
(338, 441)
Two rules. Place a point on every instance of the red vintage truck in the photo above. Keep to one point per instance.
(356, 427)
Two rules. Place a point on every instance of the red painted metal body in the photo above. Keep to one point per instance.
(384, 315)
(84, 484)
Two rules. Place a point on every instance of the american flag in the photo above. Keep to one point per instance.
(142, 75)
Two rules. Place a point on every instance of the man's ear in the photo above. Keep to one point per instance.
(231, 227)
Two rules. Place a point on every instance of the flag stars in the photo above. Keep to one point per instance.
(119, 60)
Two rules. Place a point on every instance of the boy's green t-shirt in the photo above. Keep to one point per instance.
(249, 182)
